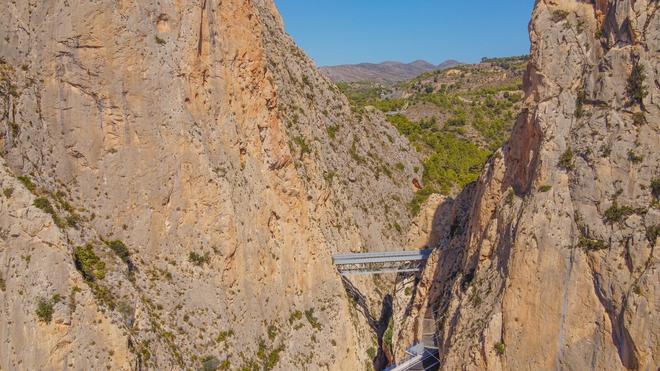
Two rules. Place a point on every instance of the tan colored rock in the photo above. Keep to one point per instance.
(36, 263)
(199, 135)
(558, 268)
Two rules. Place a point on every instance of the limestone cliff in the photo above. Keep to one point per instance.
(554, 265)
(176, 175)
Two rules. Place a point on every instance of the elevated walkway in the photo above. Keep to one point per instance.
(380, 262)
(421, 358)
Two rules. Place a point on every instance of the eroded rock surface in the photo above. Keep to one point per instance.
(200, 137)
(558, 267)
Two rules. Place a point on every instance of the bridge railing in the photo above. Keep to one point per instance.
(380, 262)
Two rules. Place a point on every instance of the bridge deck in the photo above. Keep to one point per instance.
(380, 262)
(381, 257)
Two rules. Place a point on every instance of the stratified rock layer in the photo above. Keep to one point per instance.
(199, 136)
(555, 267)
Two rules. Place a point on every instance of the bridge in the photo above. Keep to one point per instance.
(380, 262)
(424, 354)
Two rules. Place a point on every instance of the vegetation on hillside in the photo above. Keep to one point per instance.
(472, 111)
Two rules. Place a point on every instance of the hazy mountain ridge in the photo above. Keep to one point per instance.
(385, 72)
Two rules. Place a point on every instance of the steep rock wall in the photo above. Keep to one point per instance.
(558, 267)
(198, 135)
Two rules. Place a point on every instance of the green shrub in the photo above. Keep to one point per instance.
(605, 150)
(332, 131)
(329, 176)
(500, 348)
(371, 352)
(652, 233)
(635, 158)
(509, 197)
(591, 244)
(387, 336)
(86, 261)
(419, 198)
(559, 15)
(545, 188)
(27, 183)
(636, 89)
(198, 259)
(273, 358)
(225, 365)
(72, 220)
(403, 125)
(655, 187)
(456, 162)
(3, 284)
(120, 249)
(44, 204)
(456, 121)
(210, 363)
(304, 147)
(102, 294)
(387, 171)
(313, 321)
(8, 192)
(387, 105)
(272, 332)
(295, 316)
(566, 160)
(44, 310)
(617, 214)
(15, 129)
(224, 335)
(159, 41)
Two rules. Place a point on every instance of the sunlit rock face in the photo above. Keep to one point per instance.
(201, 138)
(556, 264)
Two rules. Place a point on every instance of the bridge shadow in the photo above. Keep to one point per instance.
(360, 302)
(379, 326)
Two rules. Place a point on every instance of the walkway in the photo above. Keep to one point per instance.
(381, 262)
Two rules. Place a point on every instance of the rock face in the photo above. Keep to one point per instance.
(198, 173)
(555, 266)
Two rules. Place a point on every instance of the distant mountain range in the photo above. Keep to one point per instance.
(382, 72)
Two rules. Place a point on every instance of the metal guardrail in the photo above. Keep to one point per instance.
(380, 262)
(422, 358)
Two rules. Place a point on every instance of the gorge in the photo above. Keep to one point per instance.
(177, 175)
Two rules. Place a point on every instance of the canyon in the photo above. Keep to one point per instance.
(176, 176)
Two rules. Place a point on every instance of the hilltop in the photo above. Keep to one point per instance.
(386, 72)
(455, 117)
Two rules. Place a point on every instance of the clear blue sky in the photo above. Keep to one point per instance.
(352, 31)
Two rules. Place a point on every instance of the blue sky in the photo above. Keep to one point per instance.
(352, 31)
